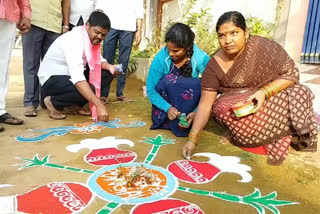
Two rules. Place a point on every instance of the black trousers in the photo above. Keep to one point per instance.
(63, 92)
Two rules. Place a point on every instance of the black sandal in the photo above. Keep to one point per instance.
(9, 119)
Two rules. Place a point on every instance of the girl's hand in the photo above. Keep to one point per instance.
(173, 113)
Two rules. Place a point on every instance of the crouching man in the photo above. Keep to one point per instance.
(71, 70)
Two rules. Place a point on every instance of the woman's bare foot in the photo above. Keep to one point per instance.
(224, 139)
(53, 112)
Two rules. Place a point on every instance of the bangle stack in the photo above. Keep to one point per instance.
(194, 137)
(269, 90)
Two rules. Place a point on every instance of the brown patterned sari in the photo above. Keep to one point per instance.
(289, 113)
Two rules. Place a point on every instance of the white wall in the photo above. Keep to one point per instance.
(263, 9)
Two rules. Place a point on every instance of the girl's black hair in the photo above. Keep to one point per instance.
(232, 16)
(99, 19)
(181, 35)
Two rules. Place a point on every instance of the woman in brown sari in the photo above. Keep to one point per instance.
(253, 68)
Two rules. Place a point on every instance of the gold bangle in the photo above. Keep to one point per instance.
(194, 137)
(269, 90)
(265, 93)
(274, 87)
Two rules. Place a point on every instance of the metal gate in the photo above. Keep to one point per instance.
(311, 41)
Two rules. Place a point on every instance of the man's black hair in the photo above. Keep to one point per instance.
(100, 19)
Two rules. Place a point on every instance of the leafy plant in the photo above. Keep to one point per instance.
(202, 24)
(258, 27)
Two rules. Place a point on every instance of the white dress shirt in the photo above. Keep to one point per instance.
(122, 13)
(65, 57)
(81, 8)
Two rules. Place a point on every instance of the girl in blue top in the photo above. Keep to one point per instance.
(173, 84)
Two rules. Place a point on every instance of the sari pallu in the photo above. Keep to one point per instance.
(183, 93)
(286, 114)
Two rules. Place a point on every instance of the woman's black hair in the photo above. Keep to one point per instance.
(181, 35)
(232, 16)
(100, 19)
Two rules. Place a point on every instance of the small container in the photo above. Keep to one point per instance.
(182, 119)
(243, 109)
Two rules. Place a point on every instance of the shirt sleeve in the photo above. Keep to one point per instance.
(204, 63)
(74, 58)
(156, 71)
(103, 59)
(139, 10)
(25, 8)
(210, 81)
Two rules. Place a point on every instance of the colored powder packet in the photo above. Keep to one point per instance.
(243, 109)
(119, 68)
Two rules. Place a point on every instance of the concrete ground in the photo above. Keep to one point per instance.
(296, 180)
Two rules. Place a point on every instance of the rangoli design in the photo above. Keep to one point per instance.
(57, 197)
(104, 151)
(79, 128)
(147, 186)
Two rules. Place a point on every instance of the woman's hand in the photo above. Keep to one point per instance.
(189, 118)
(258, 98)
(187, 149)
(173, 113)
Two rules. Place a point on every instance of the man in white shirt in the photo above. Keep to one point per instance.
(80, 11)
(126, 25)
(64, 82)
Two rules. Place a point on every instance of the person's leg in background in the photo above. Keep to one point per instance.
(49, 38)
(109, 51)
(7, 38)
(32, 45)
(35, 45)
(125, 46)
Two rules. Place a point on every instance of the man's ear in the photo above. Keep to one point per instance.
(88, 26)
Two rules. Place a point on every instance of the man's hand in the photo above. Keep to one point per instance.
(137, 38)
(103, 114)
(24, 25)
(65, 29)
(111, 68)
(187, 150)
(173, 113)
